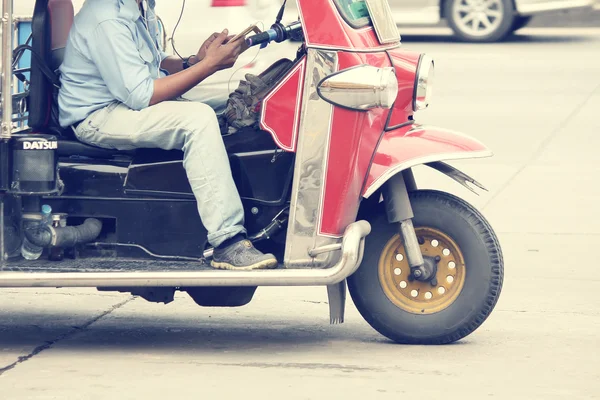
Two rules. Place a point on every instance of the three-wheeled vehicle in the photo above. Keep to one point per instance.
(325, 175)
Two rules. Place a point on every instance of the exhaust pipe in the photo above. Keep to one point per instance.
(68, 236)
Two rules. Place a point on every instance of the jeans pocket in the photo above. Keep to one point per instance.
(98, 118)
(90, 136)
(97, 131)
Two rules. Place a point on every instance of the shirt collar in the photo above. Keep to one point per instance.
(129, 9)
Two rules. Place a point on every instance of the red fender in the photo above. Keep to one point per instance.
(413, 145)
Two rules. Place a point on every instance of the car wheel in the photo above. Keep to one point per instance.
(480, 20)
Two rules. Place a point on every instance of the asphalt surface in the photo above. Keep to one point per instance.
(535, 101)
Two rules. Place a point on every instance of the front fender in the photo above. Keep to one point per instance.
(413, 145)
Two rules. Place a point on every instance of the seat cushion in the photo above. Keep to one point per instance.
(69, 148)
(245, 141)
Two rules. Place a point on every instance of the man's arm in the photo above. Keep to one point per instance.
(175, 85)
(218, 55)
(127, 76)
(174, 64)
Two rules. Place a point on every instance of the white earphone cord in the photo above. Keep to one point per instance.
(244, 66)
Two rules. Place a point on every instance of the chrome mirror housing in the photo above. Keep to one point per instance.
(360, 88)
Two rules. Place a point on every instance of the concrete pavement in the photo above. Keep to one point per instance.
(534, 100)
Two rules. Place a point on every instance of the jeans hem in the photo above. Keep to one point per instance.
(216, 239)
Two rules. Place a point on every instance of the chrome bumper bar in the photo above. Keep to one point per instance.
(351, 257)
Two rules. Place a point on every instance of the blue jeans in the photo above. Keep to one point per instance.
(183, 125)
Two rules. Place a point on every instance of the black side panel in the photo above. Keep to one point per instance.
(5, 168)
(92, 178)
(263, 177)
(262, 172)
(164, 227)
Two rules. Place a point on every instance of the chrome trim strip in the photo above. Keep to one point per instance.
(422, 160)
(351, 257)
(310, 168)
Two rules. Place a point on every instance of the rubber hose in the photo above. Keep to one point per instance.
(67, 236)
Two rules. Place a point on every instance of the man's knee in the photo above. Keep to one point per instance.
(198, 116)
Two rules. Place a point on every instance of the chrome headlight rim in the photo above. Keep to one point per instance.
(423, 82)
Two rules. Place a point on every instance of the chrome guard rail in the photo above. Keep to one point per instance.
(352, 252)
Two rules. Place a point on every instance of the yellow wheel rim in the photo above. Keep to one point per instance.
(422, 297)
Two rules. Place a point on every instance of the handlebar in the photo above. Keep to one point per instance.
(277, 33)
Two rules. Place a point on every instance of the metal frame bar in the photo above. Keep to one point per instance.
(352, 253)
(7, 46)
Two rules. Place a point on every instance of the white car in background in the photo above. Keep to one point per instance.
(479, 20)
(200, 19)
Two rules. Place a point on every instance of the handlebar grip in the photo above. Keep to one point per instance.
(263, 37)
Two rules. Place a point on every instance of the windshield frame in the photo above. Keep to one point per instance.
(379, 18)
(356, 24)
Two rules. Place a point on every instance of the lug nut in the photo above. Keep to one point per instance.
(417, 273)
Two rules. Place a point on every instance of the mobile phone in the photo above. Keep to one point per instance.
(245, 32)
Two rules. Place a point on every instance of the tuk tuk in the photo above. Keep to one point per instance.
(325, 175)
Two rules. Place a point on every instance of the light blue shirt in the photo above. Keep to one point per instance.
(111, 55)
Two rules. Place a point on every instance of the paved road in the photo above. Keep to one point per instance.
(535, 101)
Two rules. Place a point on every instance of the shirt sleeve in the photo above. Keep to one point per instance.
(163, 55)
(125, 73)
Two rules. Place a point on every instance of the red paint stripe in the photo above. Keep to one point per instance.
(228, 3)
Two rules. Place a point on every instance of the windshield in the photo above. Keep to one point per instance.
(355, 12)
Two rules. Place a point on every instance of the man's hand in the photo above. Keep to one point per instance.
(221, 54)
(202, 51)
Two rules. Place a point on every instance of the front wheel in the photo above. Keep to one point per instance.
(469, 264)
(480, 20)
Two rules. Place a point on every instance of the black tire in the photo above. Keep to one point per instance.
(483, 273)
(502, 30)
(520, 22)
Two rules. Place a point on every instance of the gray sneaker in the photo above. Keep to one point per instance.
(242, 256)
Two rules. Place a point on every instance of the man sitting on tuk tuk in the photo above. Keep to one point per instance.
(119, 91)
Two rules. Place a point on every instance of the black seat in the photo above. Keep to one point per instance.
(51, 23)
(69, 148)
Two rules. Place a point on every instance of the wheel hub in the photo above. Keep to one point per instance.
(423, 296)
(478, 18)
(427, 272)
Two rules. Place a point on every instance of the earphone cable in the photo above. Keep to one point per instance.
(175, 30)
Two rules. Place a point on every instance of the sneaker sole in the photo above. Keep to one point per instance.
(266, 264)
